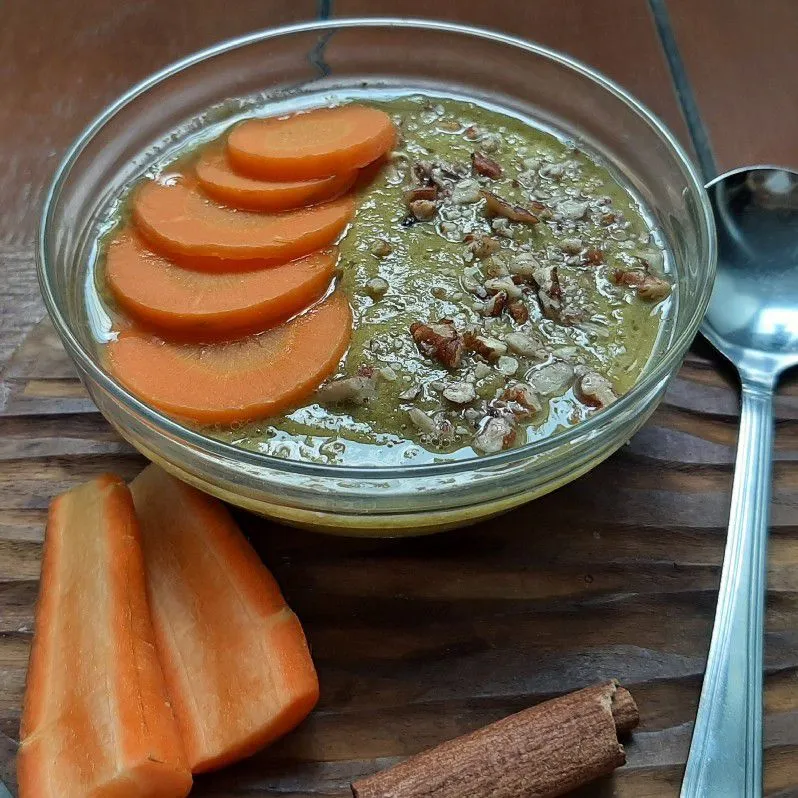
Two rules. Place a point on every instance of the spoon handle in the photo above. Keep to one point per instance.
(726, 751)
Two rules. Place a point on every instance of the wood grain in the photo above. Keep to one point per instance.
(419, 641)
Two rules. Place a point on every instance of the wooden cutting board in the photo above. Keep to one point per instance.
(420, 640)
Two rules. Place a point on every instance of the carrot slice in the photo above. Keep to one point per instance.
(179, 221)
(236, 663)
(220, 181)
(240, 380)
(203, 306)
(318, 143)
(96, 719)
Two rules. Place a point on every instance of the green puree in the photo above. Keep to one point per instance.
(399, 270)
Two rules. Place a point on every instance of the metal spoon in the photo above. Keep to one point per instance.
(752, 320)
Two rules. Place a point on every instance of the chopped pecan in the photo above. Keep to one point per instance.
(465, 192)
(357, 390)
(497, 434)
(573, 209)
(650, 287)
(522, 399)
(506, 284)
(518, 310)
(552, 297)
(411, 393)
(422, 422)
(495, 305)
(460, 393)
(523, 265)
(490, 348)
(423, 209)
(594, 389)
(471, 132)
(377, 287)
(553, 379)
(482, 245)
(525, 345)
(485, 166)
(496, 206)
(440, 341)
(421, 193)
(594, 256)
(607, 219)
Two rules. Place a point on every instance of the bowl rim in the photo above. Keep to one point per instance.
(209, 446)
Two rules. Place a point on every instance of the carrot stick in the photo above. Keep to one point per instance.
(205, 306)
(236, 381)
(311, 144)
(236, 663)
(218, 179)
(96, 719)
(180, 222)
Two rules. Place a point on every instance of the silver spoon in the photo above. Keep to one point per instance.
(752, 320)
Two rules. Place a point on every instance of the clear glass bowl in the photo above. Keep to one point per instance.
(307, 62)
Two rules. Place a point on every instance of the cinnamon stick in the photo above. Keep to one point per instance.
(540, 752)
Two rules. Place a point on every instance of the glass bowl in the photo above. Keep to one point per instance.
(306, 63)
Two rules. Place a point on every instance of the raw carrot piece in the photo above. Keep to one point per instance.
(205, 306)
(311, 144)
(180, 222)
(236, 663)
(218, 179)
(96, 719)
(237, 381)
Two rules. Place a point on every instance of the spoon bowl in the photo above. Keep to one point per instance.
(753, 320)
(753, 313)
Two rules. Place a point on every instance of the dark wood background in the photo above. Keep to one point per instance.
(421, 640)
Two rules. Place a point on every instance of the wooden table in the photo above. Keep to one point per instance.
(421, 640)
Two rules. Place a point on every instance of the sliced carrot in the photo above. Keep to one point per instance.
(236, 663)
(311, 144)
(96, 718)
(179, 221)
(206, 306)
(220, 181)
(237, 381)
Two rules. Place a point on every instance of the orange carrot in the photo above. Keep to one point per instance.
(218, 179)
(96, 718)
(237, 381)
(311, 144)
(204, 306)
(179, 221)
(236, 663)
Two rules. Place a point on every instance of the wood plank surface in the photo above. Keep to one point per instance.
(416, 641)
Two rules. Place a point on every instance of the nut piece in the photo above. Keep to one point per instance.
(440, 341)
(650, 287)
(423, 209)
(461, 393)
(409, 394)
(523, 265)
(553, 379)
(381, 248)
(495, 305)
(421, 421)
(496, 206)
(571, 209)
(485, 166)
(594, 389)
(421, 193)
(357, 390)
(505, 284)
(481, 245)
(482, 370)
(518, 310)
(377, 288)
(497, 434)
(490, 348)
(524, 345)
(594, 256)
(507, 365)
(573, 246)
(466, 192)
(522, 399)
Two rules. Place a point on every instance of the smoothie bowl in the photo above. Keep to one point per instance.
(376, 276)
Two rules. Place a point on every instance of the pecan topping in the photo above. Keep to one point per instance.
(482, 245)
(497, 434)
(440, 341)
(490, 348)
(495, 305)
(485, 166)
(649, 286)
(518, 310)
(423, 209)
(421, 193)
(594, 389)
(496, 206)
(594, 256)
